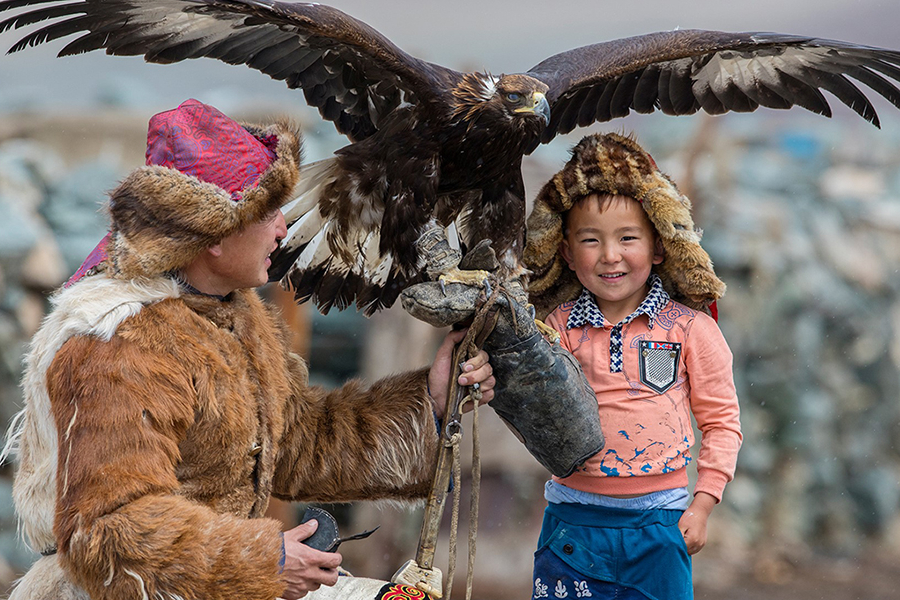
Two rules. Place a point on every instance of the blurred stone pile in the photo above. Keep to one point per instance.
(49, 220)
(802, 218)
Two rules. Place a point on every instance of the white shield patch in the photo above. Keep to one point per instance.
(659, 364)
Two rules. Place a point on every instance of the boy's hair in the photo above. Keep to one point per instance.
(612, 164)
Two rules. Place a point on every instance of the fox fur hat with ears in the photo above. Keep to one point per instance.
(611, 164)
(206, 177)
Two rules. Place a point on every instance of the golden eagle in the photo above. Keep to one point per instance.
(432, 146)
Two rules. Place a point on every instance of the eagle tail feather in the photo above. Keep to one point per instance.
(314, 179)
(334, 264)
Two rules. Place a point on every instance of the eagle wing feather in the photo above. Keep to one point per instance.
(681, 72)
(302, 44)
(432, 144)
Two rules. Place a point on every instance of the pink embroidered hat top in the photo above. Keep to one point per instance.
(197, 139)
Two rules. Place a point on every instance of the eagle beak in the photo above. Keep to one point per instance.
(538, 105)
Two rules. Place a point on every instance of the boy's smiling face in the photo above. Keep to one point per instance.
(612, 247)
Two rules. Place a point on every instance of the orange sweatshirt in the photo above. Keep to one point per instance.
(648, 433)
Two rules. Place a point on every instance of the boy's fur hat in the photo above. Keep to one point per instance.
(616, 165)
(207, 177)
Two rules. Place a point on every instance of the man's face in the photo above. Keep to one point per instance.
(243, 257)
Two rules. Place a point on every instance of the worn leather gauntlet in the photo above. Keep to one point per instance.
(541, 391)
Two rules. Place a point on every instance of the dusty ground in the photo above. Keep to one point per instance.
(872, 578)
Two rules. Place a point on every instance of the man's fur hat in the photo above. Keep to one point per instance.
(206, 177)
(615, 165)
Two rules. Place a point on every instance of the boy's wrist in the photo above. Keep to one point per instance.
(703, 502)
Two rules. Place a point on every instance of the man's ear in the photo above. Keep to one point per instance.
(215, 250)
(659, 251)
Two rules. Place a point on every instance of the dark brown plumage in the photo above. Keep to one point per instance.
(433, 146)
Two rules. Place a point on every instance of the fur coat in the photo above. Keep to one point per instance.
(158, 424)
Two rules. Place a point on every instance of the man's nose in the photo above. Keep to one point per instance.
(280, 227)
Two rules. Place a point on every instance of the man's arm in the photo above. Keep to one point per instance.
(363, 443)
(356, 442)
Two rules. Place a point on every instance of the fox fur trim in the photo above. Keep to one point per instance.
(162, 218)
(612, 164)
(46, 580)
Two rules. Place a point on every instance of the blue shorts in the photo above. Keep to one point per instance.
(599, 552)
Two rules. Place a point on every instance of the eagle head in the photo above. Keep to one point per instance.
(519, 100)
(523, 96)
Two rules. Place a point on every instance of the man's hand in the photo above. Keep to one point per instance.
(475, 370)
(693, 522)
(306, 569)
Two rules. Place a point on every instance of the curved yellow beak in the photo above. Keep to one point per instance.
(538, 105)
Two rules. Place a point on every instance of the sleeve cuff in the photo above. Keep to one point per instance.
(712, 482)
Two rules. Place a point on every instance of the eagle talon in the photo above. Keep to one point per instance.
(487, 288)
(443, 286)
(550, 334)
(474, 277)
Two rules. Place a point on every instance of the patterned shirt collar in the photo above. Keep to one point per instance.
(586, 310)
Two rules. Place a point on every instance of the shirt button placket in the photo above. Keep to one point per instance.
(615, 349)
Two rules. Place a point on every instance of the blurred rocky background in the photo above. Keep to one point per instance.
(801, 216)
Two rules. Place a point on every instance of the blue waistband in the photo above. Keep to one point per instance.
(675, 498)
(613, 518)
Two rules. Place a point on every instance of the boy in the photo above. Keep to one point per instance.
(617, 260)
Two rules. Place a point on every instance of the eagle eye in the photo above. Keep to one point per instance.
(514, 97)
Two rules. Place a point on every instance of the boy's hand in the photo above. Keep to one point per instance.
(693, 522)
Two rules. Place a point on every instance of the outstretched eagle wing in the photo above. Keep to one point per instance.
(683, 71)
(349, 71)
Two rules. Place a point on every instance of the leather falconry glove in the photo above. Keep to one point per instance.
(541, 391)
